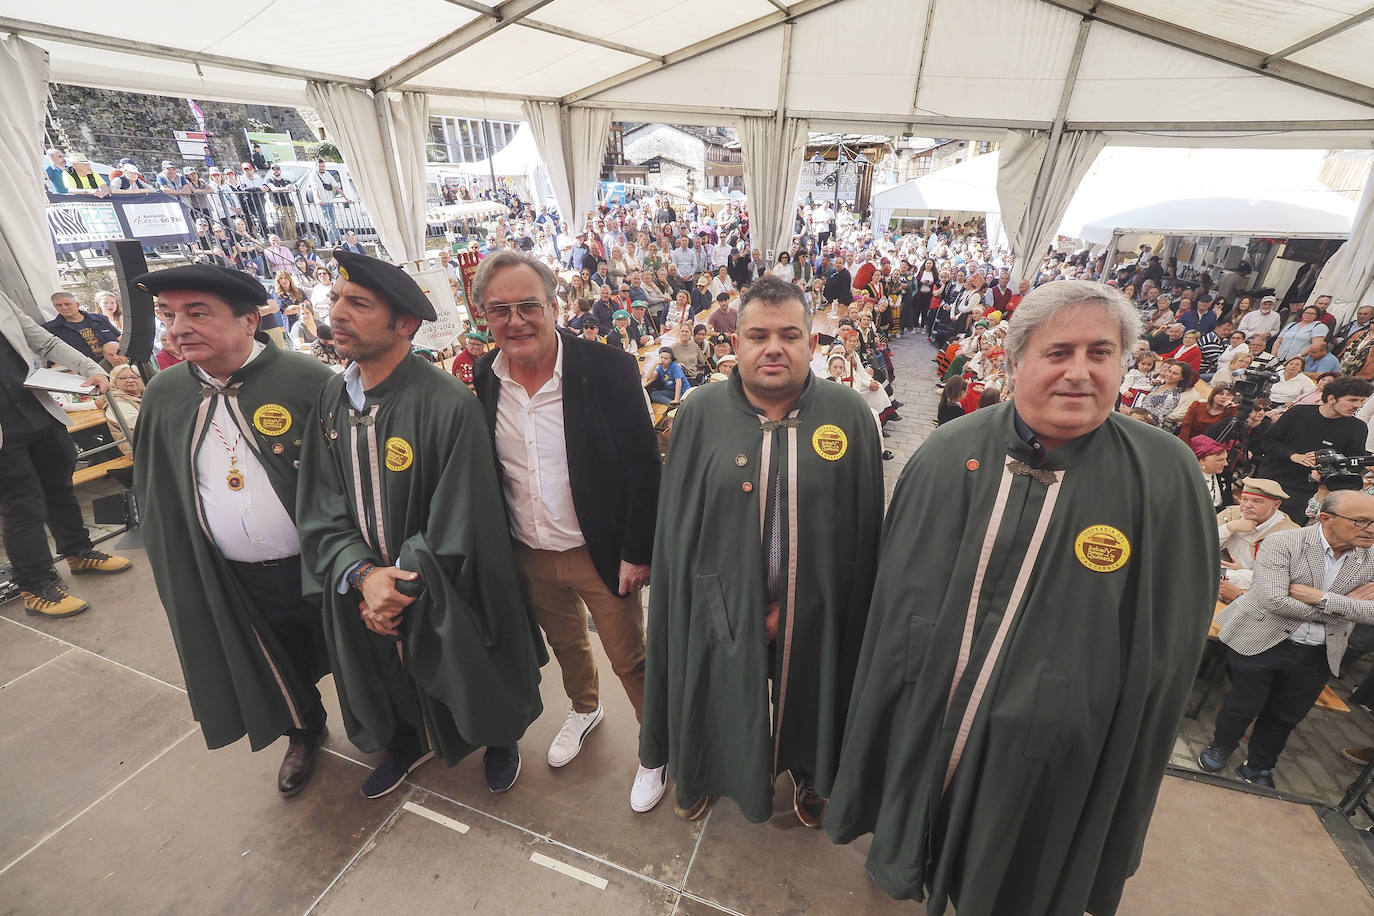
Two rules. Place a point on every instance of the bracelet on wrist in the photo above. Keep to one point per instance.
(356, 577)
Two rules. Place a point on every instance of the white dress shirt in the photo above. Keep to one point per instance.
(532, 446)
(1311, 632)
(249, 525)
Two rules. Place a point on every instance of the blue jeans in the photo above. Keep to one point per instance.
(330, 224)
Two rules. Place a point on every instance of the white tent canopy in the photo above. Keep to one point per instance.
(1299, 214)
(966, 187)
(1299, 70)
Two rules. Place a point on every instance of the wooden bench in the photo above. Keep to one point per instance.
(1216, 657)
(91, 419)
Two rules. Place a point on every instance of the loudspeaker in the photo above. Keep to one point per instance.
(136, 343)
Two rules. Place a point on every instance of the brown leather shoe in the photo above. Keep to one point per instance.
(297, 765)
(692, 809)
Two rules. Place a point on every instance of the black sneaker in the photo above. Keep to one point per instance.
(809, 806)
(1212, 758)
(502, 766)
(1263, 778)
(392, 771)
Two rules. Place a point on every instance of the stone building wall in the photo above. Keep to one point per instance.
(108, 125)
(647, 141)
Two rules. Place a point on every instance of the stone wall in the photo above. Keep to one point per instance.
(650, 140)
(108, 125)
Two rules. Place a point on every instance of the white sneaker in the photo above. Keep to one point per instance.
(575, 730)
(648, 789)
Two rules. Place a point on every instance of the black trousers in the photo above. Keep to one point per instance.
(275, 588)
(1275, 690)
(36, 490)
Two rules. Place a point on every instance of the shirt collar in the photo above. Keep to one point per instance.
(1028, 436)
(500, 365)
(258, 347)
(1326, 547)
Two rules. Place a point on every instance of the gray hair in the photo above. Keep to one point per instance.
(500, 260)
(1331, 502)
(773, 291)
(1045, 303)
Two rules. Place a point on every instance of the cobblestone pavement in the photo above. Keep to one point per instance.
(915, 388)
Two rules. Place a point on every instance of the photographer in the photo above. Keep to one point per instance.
(1291, 446)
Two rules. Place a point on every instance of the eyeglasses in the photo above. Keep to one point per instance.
(530, 310)
(1360, 523)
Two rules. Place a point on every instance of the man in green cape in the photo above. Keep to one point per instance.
(404, 537)
(764, 556)
(217, 444)
(1047, 578)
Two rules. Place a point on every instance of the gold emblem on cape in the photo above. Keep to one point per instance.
(1102, 548)
(272, 419)
(399, 454)
(830, 442)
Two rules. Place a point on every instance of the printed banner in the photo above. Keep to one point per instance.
(80, 224)
(156, 220)
(78, 221)
(439, 334)
(467, 269)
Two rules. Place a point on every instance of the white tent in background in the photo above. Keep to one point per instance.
(519, 157)
(966, 187)
(1295, 214)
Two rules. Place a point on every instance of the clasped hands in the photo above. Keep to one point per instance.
(382, 605)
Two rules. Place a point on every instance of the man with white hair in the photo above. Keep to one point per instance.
(1008, 731)
(1265, 321)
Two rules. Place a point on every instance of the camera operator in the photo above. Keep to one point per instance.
(1291, 446)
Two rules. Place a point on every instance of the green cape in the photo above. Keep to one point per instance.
(1046, 810)
(469, 643)
(708, 664)
(237, 676)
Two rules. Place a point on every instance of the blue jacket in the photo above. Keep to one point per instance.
(60, 328)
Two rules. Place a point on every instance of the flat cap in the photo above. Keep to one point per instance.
(1261, 486)
(393, 284)
(230, 285)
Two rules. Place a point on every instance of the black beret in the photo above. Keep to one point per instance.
(234, 286)
(393, 284)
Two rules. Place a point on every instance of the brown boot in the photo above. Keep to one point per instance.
(94, 561)
(51, 599)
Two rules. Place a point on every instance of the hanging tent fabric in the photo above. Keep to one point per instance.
(572, 144)
(383, 143)
(773, 153)
(1036, 179)
(28, 272)
(1300, 214)
(1348, 278)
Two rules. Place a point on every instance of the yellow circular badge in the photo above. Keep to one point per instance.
(1102, 548)
(830, 442)
(399, 454)
(272, 419)
(343, 272)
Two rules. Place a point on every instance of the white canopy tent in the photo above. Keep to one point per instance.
(1068, 74)
(966, 187)
(1296, 214)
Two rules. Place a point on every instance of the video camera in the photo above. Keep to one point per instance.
(1339, 472)
(1253, 383)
